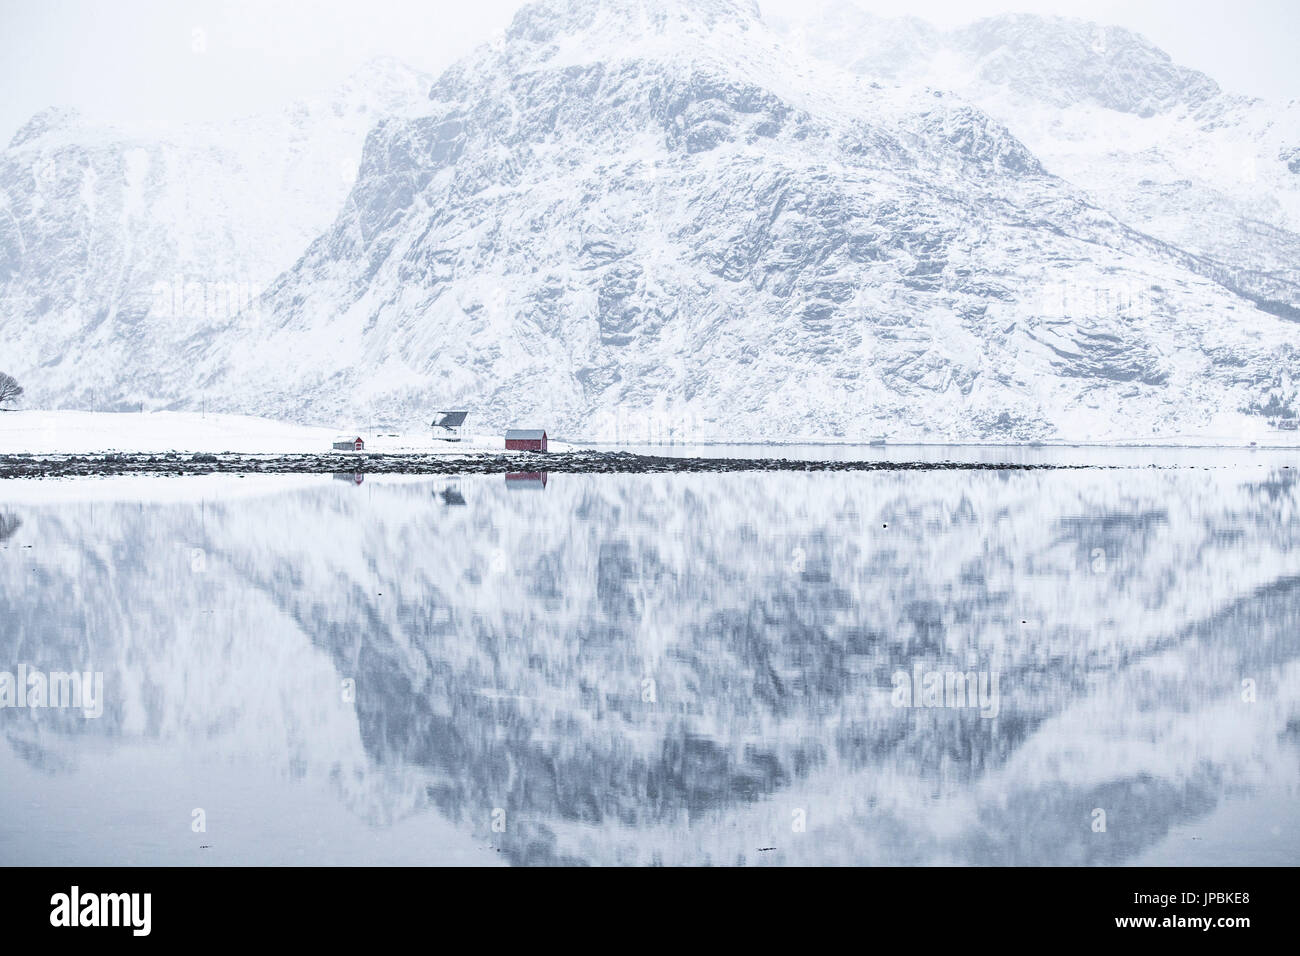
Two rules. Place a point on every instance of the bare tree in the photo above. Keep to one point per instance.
(9, 388)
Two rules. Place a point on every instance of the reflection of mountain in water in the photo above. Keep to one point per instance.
(666, 668)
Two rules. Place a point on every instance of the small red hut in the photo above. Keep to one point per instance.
(526, 439)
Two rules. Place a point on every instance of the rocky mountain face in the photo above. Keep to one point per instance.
(644, 218)
(119, 245)
(1160, 146)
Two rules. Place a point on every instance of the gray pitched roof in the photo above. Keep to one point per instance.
(525, 434)
(451, 419)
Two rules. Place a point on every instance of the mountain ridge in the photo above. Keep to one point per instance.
(395, 253)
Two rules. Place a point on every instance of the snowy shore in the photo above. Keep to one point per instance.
(89, 433)
(39, 432)
(409, 463)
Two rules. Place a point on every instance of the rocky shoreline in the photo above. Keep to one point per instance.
(581, 462)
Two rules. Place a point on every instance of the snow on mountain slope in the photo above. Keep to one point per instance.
(667, 212)
(659, 208)
(1160, 146)
(118, 245)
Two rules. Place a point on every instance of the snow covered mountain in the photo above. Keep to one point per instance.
(707, 227)
(118, 245)
(1160, 146)
(627, 215)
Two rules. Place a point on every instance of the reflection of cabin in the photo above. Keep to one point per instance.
(450, 497)
(351, 477)
(355, 444)
(526, 439)
(449, 426)
(528, 480)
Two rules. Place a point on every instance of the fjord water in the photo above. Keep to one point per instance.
(619, 669)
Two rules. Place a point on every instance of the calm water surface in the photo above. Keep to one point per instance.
(672, 669)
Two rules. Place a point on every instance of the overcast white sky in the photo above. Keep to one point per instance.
(142, 59)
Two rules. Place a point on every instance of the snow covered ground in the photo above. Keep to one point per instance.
(77, 433)
(74, 432)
